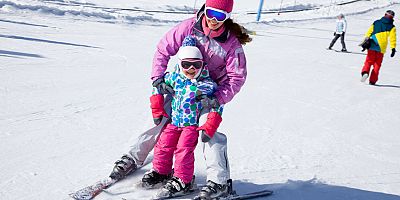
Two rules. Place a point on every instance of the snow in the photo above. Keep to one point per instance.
(74, 89)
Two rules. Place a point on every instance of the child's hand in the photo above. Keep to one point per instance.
(157, 108)
(209, 128)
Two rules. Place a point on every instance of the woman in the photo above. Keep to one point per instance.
(220, 41)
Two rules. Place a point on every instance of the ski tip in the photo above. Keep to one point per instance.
(71, 195)
(79, 197)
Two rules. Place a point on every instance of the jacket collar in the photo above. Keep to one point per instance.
(387, 20)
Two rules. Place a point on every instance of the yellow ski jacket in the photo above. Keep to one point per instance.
(380, 32)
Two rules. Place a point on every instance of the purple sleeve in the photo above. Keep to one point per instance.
(236, 73)
(169, 46)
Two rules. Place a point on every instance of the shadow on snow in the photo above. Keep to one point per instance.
(311, 190)
(388, 86)
(15, 54)
(291, 190)
(24, 23)
(47, 41)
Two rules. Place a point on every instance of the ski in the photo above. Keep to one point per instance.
(343, 51)
(165, 194)
(339, 51)
(186, 195)
(91, 191)
(232, 195)
(350, 52)
(177, 196)
(251, 195)
(136, 187)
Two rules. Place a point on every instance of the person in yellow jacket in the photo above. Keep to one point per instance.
(376, 41)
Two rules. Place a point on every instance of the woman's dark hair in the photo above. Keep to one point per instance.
(239, 31)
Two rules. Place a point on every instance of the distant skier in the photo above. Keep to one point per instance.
(341, 26)
(376, 41)
(191, 82)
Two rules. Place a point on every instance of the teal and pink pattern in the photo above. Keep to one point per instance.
(185, 108)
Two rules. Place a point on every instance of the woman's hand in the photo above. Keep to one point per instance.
(208, 101)
(204, 137)
(162, 87)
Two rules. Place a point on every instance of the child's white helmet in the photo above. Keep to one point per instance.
(192, 52)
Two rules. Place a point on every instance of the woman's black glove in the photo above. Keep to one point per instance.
(162, 87)
(204, 137)
(365, 44)
(393, 52)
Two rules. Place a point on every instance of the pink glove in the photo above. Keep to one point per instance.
(210, 127)
(157, 108)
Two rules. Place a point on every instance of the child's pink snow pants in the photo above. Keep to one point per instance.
(178, 141)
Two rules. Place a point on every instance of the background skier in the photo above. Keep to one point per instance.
(341, 26)
(377, 37)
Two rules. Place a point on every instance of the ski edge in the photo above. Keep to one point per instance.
(250, 195)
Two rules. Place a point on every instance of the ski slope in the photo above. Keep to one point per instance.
(75, 87)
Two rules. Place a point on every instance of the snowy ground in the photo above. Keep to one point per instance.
(74, 89)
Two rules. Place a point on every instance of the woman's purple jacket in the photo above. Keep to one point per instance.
(224, 56)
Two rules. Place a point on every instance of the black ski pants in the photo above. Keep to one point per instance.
(341, 40)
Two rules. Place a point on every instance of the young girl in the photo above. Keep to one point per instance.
(190, 80)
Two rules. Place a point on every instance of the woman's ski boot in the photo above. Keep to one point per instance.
(123, 167)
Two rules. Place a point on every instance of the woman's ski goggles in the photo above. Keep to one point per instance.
(197, 64)
(218, 15)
